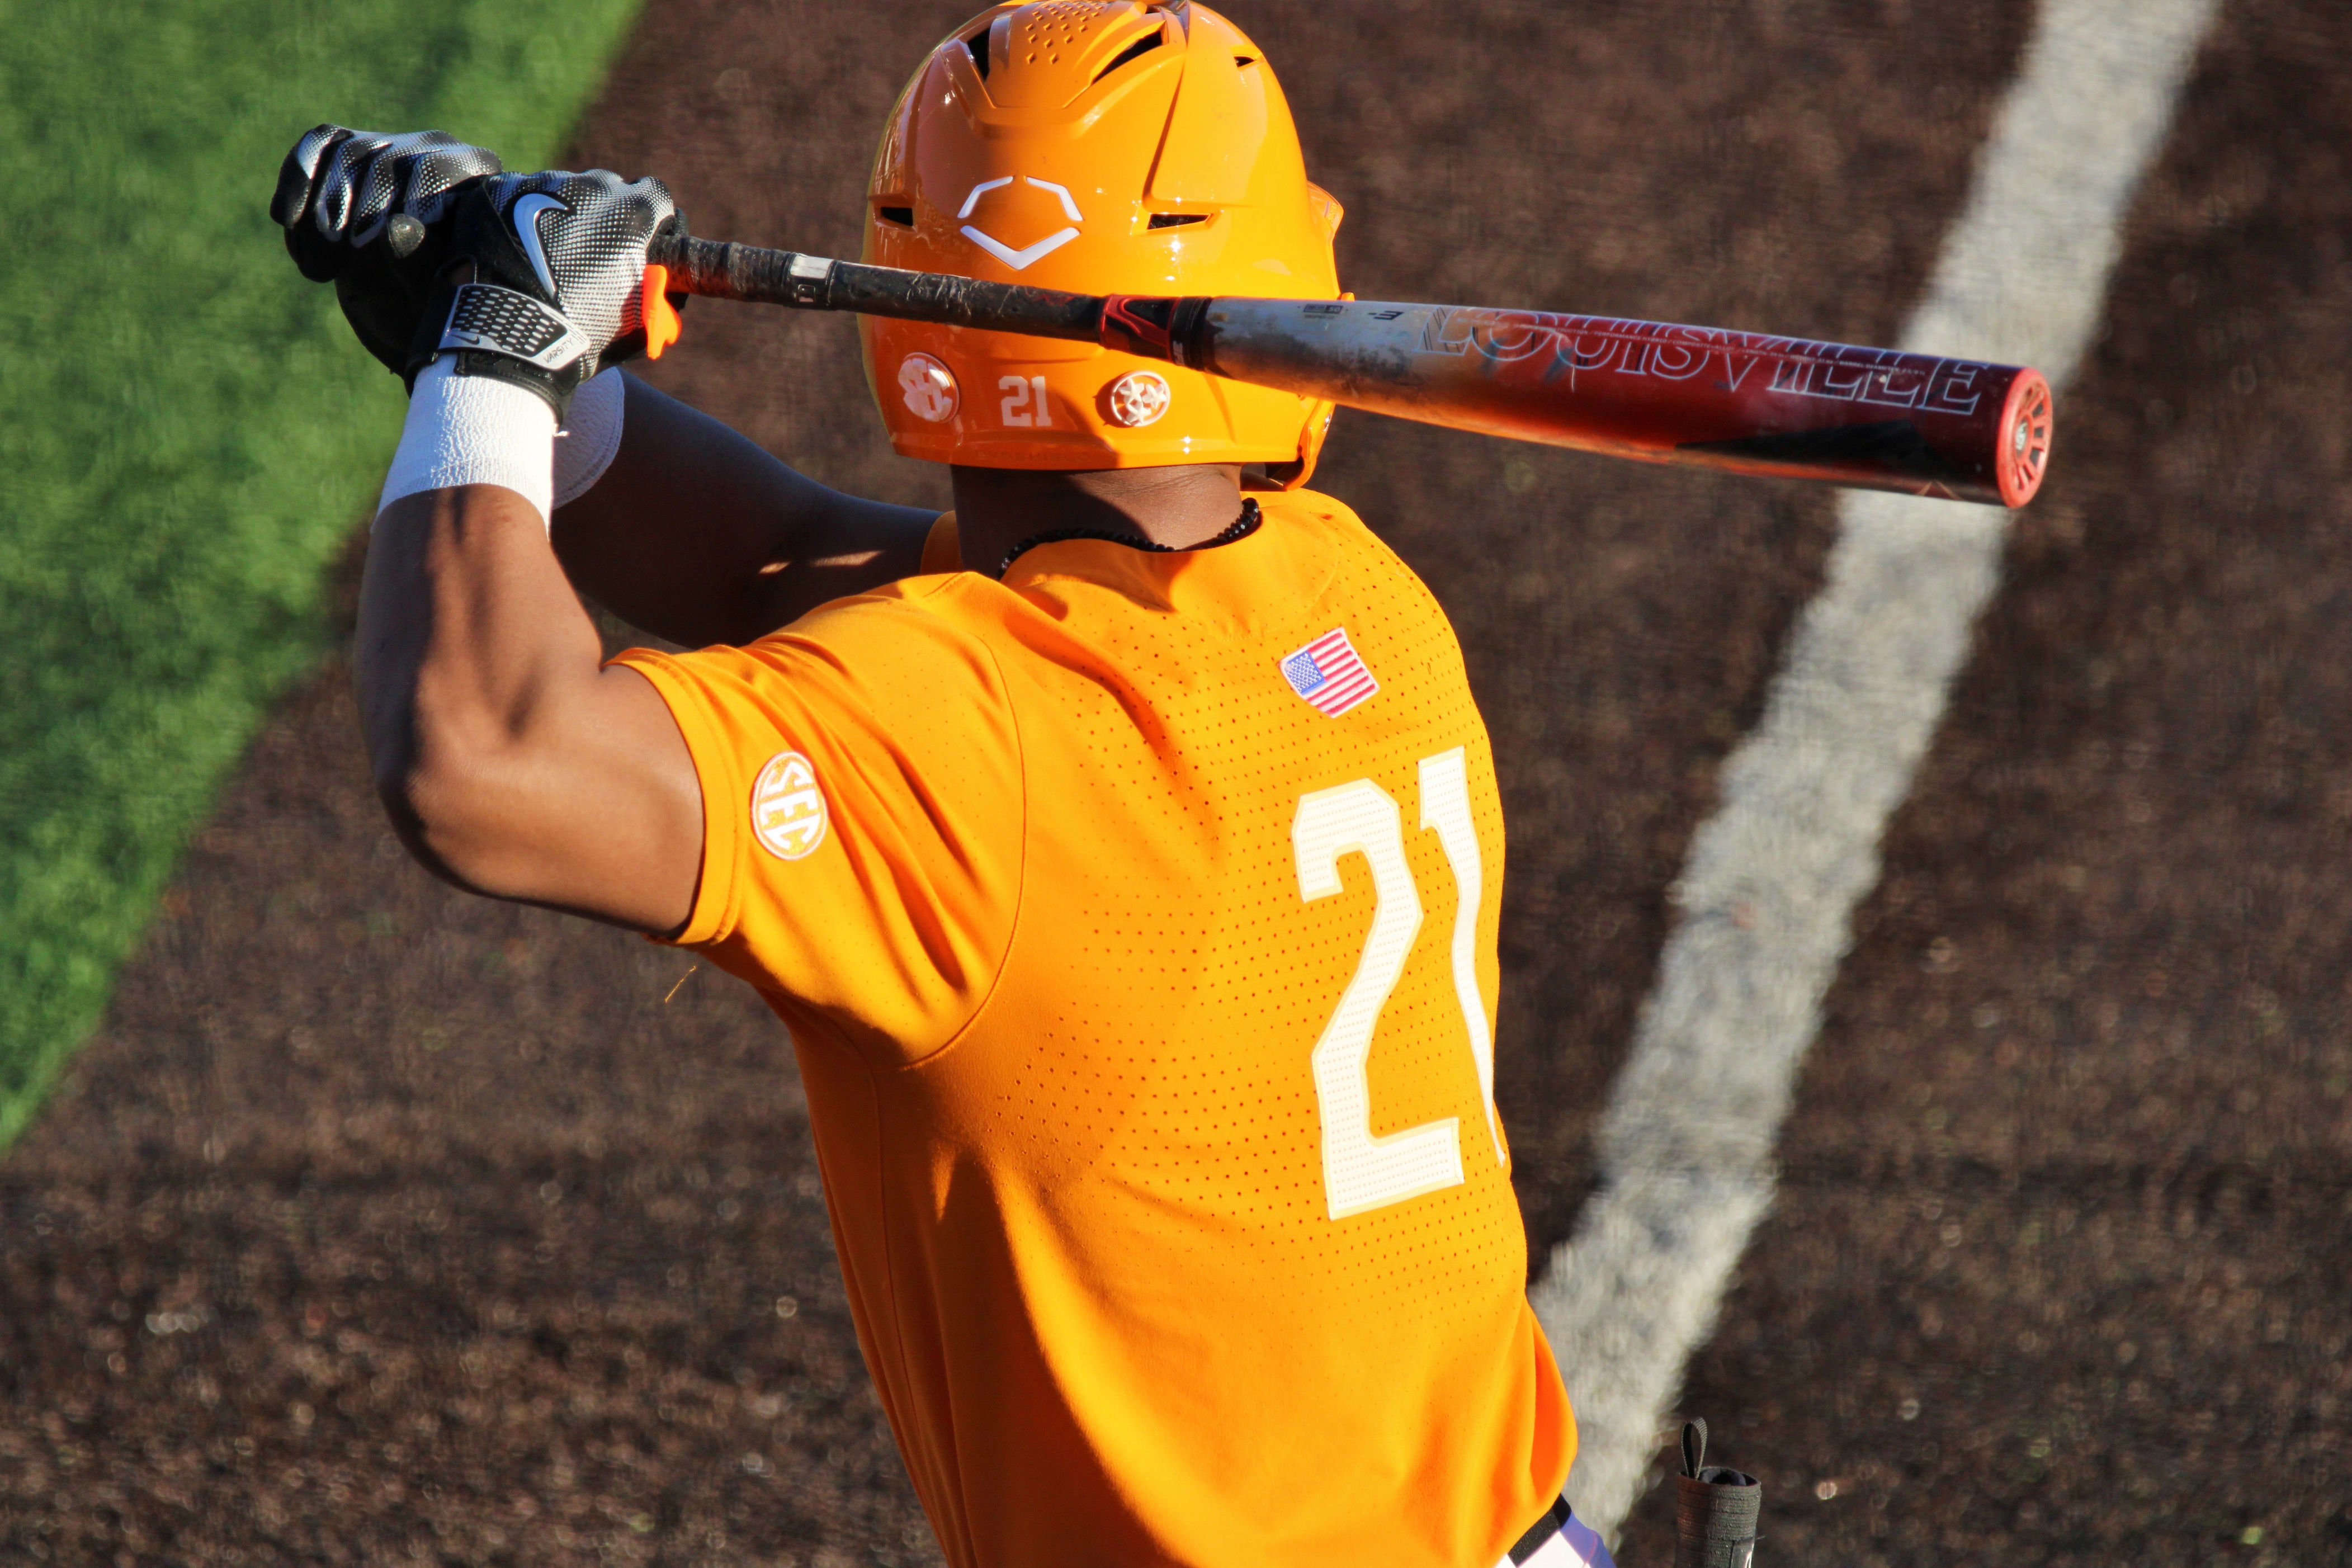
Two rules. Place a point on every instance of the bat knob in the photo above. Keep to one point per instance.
(403, 233)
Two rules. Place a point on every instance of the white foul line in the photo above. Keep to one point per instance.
(1685, 1153)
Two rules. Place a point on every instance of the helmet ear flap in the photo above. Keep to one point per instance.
(1327, 208)
(1293, 474)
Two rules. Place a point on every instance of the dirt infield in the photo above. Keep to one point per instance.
(382, 1225)
(2060, 1271)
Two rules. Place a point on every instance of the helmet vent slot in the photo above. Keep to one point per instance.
(1243, 62)
(1136, 51)
(903, 216)
(978, 44)
(1176, 220)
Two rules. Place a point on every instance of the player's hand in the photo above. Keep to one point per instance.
(556, 287)
(338, 193)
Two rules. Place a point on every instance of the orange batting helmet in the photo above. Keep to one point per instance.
(1101, 146)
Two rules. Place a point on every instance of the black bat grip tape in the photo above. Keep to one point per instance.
(729, 272)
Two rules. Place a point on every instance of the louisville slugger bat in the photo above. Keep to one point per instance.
(1874, 418)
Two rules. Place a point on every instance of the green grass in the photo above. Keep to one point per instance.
(187, 431)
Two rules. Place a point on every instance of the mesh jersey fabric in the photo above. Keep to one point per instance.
(1061, 1004)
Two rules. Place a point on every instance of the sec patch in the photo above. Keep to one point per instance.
(788, 809)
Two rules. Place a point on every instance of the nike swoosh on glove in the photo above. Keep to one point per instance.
(558, 289)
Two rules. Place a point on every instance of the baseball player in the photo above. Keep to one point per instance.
(1122, 848)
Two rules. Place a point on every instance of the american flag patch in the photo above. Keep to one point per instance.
(1329, 674)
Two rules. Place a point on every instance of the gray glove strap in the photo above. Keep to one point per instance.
(487, 319)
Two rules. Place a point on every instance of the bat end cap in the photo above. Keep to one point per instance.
(2024, 458)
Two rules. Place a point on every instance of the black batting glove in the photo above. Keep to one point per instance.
(557, 290)
(369, 212)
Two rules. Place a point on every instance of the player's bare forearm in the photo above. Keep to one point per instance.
(511, 762)
(697, 534)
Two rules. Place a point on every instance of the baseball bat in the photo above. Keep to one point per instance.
(1708, 396)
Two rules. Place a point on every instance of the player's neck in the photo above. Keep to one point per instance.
(998, 509)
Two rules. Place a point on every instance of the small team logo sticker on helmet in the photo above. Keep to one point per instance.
(929, 388)
(788, 809)
(1139, 397)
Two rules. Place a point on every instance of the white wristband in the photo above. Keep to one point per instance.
(591, 435)
(474, 430)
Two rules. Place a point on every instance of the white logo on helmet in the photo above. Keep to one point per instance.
(1020, 260)
(929, 388)
(788, 808)
(1139, 397)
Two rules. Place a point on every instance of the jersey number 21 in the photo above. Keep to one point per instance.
(1361, 1172)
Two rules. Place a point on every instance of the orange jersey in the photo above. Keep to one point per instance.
(1135, 922)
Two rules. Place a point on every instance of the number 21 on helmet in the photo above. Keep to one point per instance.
(1104, 147)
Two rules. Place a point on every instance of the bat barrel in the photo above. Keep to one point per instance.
(728, 272)
(1875, 418)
